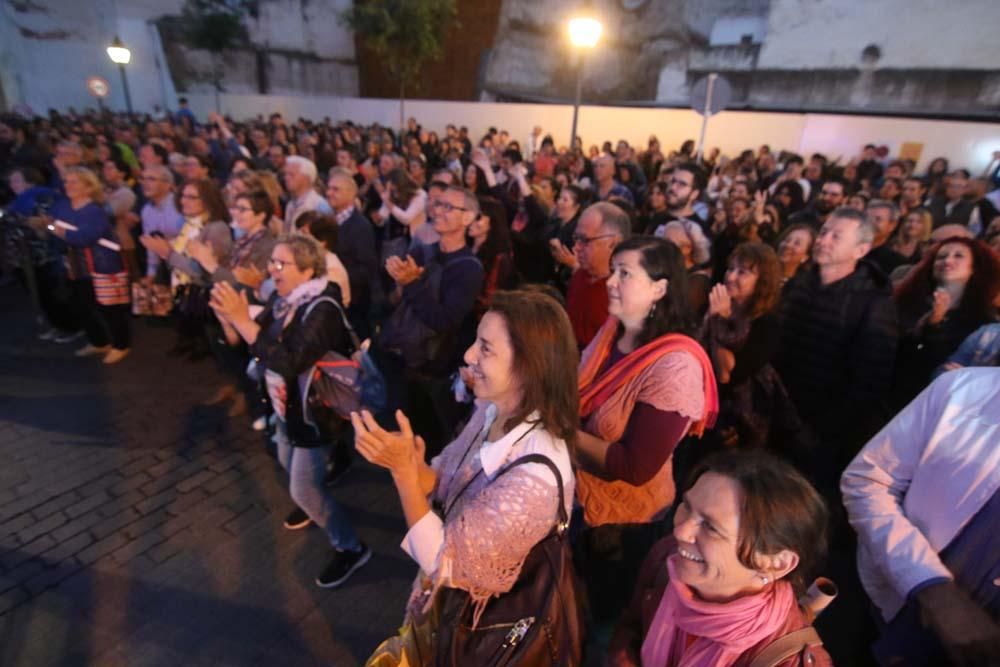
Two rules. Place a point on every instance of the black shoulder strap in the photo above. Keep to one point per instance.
(343, 318)
(546, 461)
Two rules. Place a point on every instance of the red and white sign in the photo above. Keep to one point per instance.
(98, 87)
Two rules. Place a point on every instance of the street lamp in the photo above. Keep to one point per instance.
(120, 55)
(584, 33)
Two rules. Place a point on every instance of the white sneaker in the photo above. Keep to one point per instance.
(48, 334)
(115, 355)
(89, 350)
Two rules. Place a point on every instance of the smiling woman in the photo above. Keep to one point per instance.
(747, 536)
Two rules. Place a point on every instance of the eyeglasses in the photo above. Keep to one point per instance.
(278, 264)
(241, 209)
(187, 196)
(447, 207)
(584, 241)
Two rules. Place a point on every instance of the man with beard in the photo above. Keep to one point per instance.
(833, 195)
(685, 186)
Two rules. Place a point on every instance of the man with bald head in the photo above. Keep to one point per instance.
(355, 246)
(605, 185)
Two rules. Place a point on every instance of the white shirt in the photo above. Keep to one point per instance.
(920, 480)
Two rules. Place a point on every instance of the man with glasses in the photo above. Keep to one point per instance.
(605, 185)
(601, 227)
(423, 340)
(684, 187)
(159, 215)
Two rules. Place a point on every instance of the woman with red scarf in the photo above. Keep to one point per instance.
(726, 588)
(644, 385)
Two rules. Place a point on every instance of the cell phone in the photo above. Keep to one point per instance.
(51, 228)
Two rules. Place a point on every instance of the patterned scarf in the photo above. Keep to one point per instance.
(244, 247)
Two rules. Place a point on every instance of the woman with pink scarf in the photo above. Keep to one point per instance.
(727, 585)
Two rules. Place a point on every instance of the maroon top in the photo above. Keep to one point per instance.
(648, 441)
(587, 306)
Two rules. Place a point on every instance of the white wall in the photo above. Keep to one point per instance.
(964, 144)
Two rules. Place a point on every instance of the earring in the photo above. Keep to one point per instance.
(764, 580)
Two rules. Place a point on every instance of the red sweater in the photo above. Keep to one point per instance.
(587, 305)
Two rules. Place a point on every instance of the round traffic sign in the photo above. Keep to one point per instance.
(722, 94)
(98, 87)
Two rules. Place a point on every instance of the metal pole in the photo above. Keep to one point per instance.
(576, 103)
(128, 97)
(706, 114)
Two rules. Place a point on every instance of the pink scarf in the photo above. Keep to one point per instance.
(721, 633)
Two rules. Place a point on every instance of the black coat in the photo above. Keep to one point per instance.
(356, 249)
(959, 215)
(292, 350)
(837, 352)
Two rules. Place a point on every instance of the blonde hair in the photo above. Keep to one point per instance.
(90, 181)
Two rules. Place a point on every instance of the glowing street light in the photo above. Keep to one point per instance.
(584, 33)
(121, 56)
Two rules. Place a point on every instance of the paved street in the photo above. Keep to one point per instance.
(138, 528)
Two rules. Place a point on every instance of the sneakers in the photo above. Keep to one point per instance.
(342, 566)
(115, 355)
(89, 350)
(49, 334)
(297, 519)
(67, 337)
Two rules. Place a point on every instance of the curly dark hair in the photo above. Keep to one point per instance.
(762, 258)
(979, 294)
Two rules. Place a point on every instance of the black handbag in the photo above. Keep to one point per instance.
(538, 622)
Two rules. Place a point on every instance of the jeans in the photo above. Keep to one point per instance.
(306, 470)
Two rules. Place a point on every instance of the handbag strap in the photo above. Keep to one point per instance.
(343, 318)
(786, 646)
(502, 470)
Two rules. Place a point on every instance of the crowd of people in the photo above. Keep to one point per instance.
(671, 391)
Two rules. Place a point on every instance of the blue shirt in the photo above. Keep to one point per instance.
(164, 218)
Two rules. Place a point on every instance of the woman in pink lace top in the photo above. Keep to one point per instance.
(523, 366)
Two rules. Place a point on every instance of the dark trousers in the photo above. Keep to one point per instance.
(56, 299)
(103, 324)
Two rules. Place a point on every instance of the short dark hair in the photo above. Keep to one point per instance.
(779, 509)
(696, 172)
(182, 101)
(260, 202)
(513, 155)
(661, 259)
(161, 152)
(324, 229)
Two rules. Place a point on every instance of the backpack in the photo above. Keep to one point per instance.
(405, 334)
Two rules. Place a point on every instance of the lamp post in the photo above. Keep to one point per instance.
(584, 33)
(120, 55)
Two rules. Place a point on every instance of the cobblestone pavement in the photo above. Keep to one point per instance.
(139, 528)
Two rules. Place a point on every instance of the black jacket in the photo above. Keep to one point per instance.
(838, 348)
(294, 349)
(356, 249)
(959, 215)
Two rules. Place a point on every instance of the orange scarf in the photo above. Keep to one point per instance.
(595, 390)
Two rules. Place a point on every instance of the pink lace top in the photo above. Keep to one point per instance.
(491, 525)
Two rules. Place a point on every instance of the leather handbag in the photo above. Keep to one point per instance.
(538, 622)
